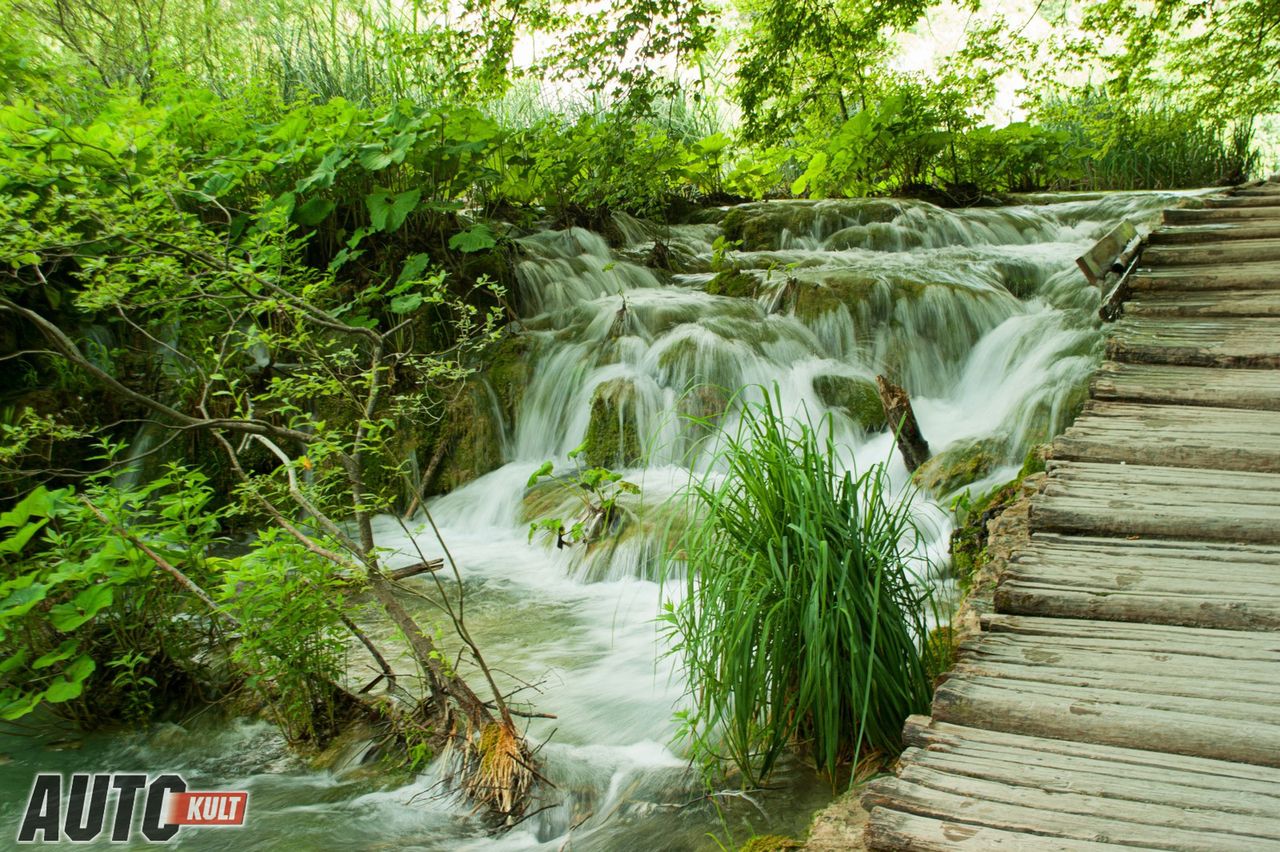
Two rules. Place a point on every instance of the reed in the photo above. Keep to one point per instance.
(803, 617)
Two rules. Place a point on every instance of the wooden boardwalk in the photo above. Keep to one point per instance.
(1126, 690)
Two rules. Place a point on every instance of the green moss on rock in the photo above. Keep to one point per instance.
(733, 282)
(857, 398)
(612, 439)
(510, 367)
(471, 439)
(960, 465)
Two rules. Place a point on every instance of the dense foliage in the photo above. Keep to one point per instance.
(274, 239)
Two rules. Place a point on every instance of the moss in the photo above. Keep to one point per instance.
(510, 367)
(941, 650)
(857, 398)
(733, 282)
(852, 288)
(959, 465)
(472, 439)
(769, 843)
(759, 227)
(612, 439)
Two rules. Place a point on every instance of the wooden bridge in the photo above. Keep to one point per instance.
(1126, 690)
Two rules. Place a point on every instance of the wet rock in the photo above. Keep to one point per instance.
(733, 282)
(856, 397)
(169, 735)
(612, 439)
(959, 465)
(470, 439)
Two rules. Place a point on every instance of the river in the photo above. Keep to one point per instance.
(980, 314)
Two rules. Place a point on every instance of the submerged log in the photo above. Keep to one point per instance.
(902, 419)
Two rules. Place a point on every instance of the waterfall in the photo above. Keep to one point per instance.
(980, 314)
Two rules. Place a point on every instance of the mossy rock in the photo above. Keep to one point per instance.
(960, 465)
(759, 227)
(509, 369)
(733, 282)
(857, 398)
(612, 439)
(820, 293)
(473, 441)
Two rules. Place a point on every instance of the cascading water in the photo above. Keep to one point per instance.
(980, 314)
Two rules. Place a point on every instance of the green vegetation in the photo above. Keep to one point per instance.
(804, 612)
(256, 260)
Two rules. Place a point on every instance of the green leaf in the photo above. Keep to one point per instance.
(476, 238)
(545, 470)
(406, 304)
(388, 211)
(62, 652)
(19, 706)
(80, 669)
(17, 541)
(21, 601)
(313, 212)
(413, 268)
(63, 690)
(87, 604)
(17, 659)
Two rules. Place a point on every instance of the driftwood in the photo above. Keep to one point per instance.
(897, 408)
(415, 569)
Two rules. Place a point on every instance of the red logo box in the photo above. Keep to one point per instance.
(217, 808)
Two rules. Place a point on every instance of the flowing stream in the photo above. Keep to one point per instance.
(981, 314)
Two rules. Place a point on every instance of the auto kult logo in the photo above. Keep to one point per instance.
(75, 807)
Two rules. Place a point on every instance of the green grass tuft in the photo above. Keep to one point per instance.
(803, 621)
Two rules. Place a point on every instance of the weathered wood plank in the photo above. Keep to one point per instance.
(1214, 232)
(1228, 342)
(1031, 817)
(1240, 276)
(1192, 726)
(906, 832)
(1097, 261)
(1224, 251)
(1238, 202)
(1197, 215)
(1063, 601)
(1230, 303)
(926, 733)
(1169, 435)
(1063, 800)
(1249, 389)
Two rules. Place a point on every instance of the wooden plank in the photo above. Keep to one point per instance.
(1220, 342)
(1214, 232)
(926, 733)
(1199, 215)
(1199, 727)
(1237, 202)
(1225, 251)
(907, 832)
(1241, 276)
(1172, 435)
(1097, 261)
(1241, 612)
(1149, 554)
(1030, 816)
(1248, 389)
(1150, 671)
(1229, 303)
(1062, 800)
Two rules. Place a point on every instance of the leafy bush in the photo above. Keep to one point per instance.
(802, 620)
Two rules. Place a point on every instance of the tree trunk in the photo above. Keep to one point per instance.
(897, 407)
